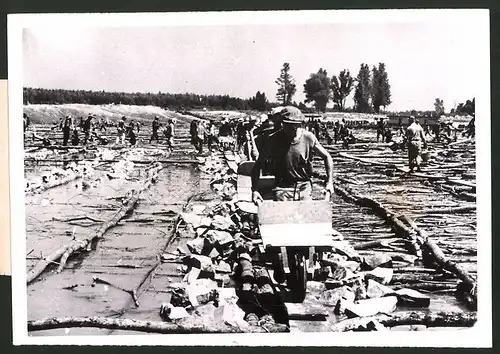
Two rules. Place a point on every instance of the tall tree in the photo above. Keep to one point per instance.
(286, 85)
(317, 89)
(381, 90)
(363, 90)
(341, 88)
(259, 101)
(438, 107)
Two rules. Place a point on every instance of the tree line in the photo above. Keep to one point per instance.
(371, 88)
(164, 100)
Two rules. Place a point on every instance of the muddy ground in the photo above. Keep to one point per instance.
(130, 251)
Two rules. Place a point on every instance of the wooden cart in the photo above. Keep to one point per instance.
(295, 235)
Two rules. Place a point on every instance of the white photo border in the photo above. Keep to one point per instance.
(478, 336)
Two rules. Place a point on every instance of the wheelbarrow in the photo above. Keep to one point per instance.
(295, 236)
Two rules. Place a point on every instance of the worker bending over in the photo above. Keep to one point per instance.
(290, 153)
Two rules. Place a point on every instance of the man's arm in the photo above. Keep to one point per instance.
(422, 136)
(257, 167)
(327, 158)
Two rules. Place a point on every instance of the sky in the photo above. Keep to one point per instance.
(424, 60)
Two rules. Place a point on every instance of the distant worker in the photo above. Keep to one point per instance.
(121, 131)
(401, 131)
(291, 151)
(225, 129)
(169, 133)
(87, 129)
(131, 133)
(201, 133)
(426, 128)
(193, 131)
(212, 135)
(261, 144)
(66, 128)
(471, 127)
(415, 137)
(155, 126)
(26, 121)
(336, 131)
(347, 138)
(381, 129)
(75, 140)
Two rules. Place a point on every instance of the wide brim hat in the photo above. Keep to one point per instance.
(292, 115)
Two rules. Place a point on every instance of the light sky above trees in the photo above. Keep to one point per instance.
(424, 60)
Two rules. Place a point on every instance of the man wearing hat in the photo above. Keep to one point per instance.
(66, 128)
(121, 131)
(290, 153)
(415, 137)
(155, 126)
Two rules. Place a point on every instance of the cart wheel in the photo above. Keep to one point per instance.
(299, 281)
(279, 272)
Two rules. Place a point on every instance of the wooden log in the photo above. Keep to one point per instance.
(148, 326)
(39, 188)
(67, 250)
(427, 286)
(422, 242)
(464, 209)
(371, 162)
(374, 244)
(429, 319)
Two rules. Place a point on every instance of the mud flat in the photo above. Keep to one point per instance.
(156, 253)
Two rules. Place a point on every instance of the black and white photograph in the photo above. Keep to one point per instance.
(280, 178)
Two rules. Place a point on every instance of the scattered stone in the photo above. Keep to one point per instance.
(375, 289)
(222, 222)
(408, 258)
(306, 311)
(359, 289)
(223, 267)
(196, 245)
(331, 297)
(352, 266)
(203, 263)
(371, 307)
(409, 297)
(346, 249)
(231, 314)
(381, 275)
(222, 238)
(199, 209)
(377, 260)
(192, 275)
(322, 273)
(169, 312)
(315, 286)
(167, 257)
(341, 305)
(375, 325)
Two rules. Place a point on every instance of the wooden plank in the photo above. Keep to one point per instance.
(315, 234)
(298, 212)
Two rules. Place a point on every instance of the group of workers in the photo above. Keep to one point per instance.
(205, 132)
(88, 127)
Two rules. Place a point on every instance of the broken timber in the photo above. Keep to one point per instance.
(148, 326)
(440, 319)
(64, 252)
(420, 241)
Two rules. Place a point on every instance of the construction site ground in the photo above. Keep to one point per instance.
(128, 254)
